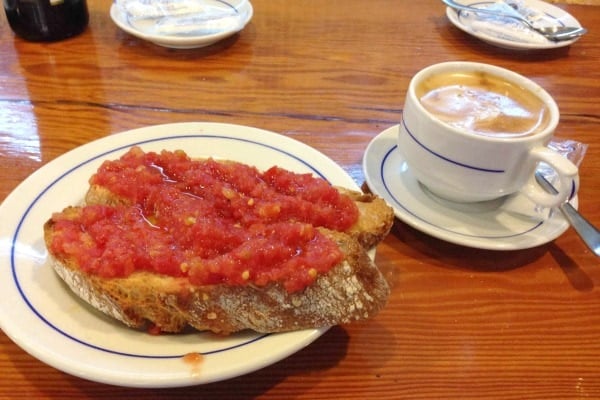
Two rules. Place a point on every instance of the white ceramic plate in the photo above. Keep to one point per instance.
(41, 315)
(490, 228)
(511, 34)
(245, 12)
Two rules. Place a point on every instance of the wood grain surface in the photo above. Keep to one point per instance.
(461, 323)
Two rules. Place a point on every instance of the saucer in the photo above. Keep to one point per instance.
(207, 32)
(509, 34)
(485, 226)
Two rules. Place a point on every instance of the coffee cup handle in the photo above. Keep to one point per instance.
(567, 178)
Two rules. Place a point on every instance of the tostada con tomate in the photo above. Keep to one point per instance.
(169, 241)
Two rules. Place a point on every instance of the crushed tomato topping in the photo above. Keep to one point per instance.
(213, 222)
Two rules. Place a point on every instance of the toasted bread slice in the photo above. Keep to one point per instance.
(353, 290)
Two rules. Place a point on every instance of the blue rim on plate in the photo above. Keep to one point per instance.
(388, 176)
(40, 314)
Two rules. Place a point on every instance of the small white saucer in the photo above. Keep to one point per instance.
(488, 226)
(244, 11)
(510, 34)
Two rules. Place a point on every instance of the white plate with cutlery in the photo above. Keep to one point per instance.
(509, 33)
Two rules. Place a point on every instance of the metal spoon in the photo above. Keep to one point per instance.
(555, 33)
(588, 232)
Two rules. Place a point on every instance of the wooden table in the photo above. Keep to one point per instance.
(460, 323)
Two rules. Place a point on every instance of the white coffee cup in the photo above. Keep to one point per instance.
(450, 153)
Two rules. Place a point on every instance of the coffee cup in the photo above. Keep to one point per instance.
(473, 132)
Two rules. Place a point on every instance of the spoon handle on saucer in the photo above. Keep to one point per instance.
(588, 232)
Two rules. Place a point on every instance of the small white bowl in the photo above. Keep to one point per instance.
(182, 41)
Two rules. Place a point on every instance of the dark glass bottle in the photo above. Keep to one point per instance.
(46, 20)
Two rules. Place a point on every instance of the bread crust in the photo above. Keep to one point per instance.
(375, 219)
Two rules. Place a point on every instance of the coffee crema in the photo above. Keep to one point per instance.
(484, 104)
